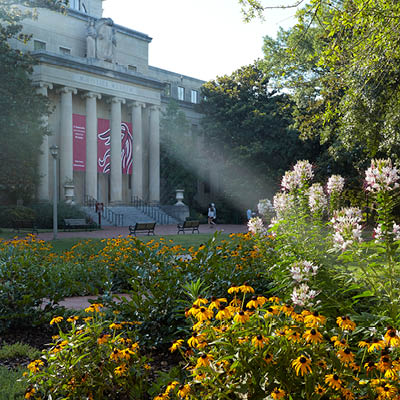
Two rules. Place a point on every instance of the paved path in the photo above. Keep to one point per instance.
(161, 230)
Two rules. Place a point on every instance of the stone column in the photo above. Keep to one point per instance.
(154, 154)
(116, 163)
(91, 144)
(137, 178)
(43, 187)
(66, 141)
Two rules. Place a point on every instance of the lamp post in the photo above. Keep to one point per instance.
(54, 153)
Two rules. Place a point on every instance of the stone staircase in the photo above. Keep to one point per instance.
(129, 215)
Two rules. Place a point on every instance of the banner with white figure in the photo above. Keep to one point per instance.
(79, 142)
(104, 146)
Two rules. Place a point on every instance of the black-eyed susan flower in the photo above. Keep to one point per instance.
(302, 365)
(241, 317)
(293, 336)
(193, 310)
(72, 319)
(223, 312)
(312, 336)
(269, 358)
(245, 288)
(333, 381)
(391, 338)
(339, 342)
(215, 303)
(175, 345)
(204, 360)
(345, 356)
(120, 370)
(386, 391)
(233, 289)
(320, 390)
(321, 364)
(347, 394)
(56, 320)
(103, 339)
(183, 390)
(259, 341)
(369, 366)
(376, 344)
(278, 393)
(34, 366)
(171, 386)
(30, 393)
(274, 299)
(194, 340)
(200, 301)
(115, 326)
(204, 314)
(272, 310)
(314, 319)
(253, 303)
(345, 323)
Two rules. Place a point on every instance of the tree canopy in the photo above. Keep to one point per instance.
(21, 108)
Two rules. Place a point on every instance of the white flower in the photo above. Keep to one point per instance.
(381, 176)
(346, 224)
(265, 207)
(302, 296)
(256, 226)
(289, 181)
(302, 271)
(296, 178)
(335, 184)
(394, 234)
(316, 198)
(283, 203)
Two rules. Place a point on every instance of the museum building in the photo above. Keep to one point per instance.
(107, 105)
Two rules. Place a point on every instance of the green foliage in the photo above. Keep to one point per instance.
(16, 350)
(248, 134)
(10, 386)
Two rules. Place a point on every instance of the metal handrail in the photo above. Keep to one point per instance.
(151, 211)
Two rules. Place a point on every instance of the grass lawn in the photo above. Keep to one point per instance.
(187, 240)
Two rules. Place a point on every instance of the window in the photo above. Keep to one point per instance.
(181, 93)
(167, 89)
(194, 96)
(38, 45)
(78, 5)
(64, 50)
(132, 68)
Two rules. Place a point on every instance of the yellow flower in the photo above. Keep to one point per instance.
(178, 343)
(215, 303)
(56, 320)
(204, 314)
(347, 394)
(233, 289)
(120, 370)
(30, 393)
(337, 342)
(200, 301)
(34, 366)
(245, 288)
(333, 381)
(183, 390)
(272, 310)
(346, 323)
(195, 339)
(391, 338)
(241, 317)
(204, 360)
(115, 355)
(320, 390)
(277, 394)
(345, 356)
(103, 339)
(223, 312)
(314, 319)
(115, 326)
(94, 307)
(259, 341)
(302, 364)
(312, 336)
(171, 386)
(73, 319)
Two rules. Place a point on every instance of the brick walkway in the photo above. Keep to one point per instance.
(161, 230)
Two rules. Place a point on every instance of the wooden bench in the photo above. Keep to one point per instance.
(187, 225)
(142, 227)
(78, 223)
(25, 225)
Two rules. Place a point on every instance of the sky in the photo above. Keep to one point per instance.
(199, 38)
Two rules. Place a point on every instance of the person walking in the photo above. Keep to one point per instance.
(212, 214)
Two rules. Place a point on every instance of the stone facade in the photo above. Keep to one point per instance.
(107, 105)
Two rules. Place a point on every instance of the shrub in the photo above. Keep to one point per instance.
(255, 347)
(94, 358)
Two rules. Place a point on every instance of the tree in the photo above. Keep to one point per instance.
(21, 109)
(178, 164)
(248, 134)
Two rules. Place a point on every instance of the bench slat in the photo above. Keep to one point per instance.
(193, 225)
(142, 226)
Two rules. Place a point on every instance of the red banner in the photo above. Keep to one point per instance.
(104, 146)
(79, 142)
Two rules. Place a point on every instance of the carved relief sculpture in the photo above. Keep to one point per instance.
(91, 40)
(106, 42)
